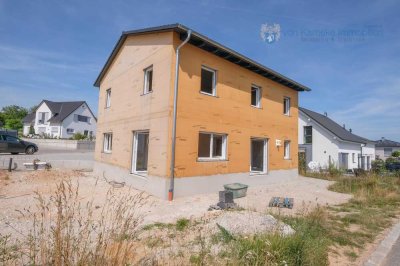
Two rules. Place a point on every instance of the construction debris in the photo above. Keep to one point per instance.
(281, 202)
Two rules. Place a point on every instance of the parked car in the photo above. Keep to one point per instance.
(14, 145)
(393, 166)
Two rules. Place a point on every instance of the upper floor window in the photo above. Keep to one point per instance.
(208, 81)
(286, 106)
(256, 96)
(212, 146)
(308, 135)
(286, 149)
(82, 118)
(43, 117)
(148, 80)
(108, 98)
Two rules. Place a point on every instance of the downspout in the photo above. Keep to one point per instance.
(172, 166)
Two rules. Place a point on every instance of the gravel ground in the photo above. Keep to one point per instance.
(17, 192)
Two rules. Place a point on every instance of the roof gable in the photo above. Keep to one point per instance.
(208, 45)
(333, 127)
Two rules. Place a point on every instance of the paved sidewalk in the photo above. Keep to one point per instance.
(387, 253)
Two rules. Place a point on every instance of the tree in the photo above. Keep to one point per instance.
(396, 154)
(14, 112)
(12, 116)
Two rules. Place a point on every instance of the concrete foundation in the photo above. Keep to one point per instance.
(187, 186)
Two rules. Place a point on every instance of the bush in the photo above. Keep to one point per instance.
(378, 166)
(31, 130)
(78, 136)
(396, 154)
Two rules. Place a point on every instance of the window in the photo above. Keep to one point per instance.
(212, 146)
(107, 145)
(85, 133)
(353, 157)
(286, 149)
(43, 117)
(208, 81)
(70, 131)
(286, 106)
(256, 96)
(308, 135)
(108, 98)
(148, 80)
(82, 118)
(11, 139)
(387, 152)
(140, 151)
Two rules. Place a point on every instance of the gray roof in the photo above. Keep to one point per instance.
(29, 118)
(60, 110)
(208, 45)
(333, 127)
(386, 143)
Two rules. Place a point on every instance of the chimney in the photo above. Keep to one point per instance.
(383, 138)
(326, 114)
(350, 130)
(344, 126)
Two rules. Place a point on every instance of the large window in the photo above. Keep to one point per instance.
(212, 146)
(43, 116)
(286, 149)
(208, 80)
(308, 135)
(140, 151)
(108, 98)
(70, 131)
(286, 106)
(148, 80)
(256, 96)
(107, 144)
(387, 152)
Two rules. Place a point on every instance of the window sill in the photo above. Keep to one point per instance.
(288, 115)
(107, 152)
(289, 159)
(208, 94)
(142, 175)
(146, 93)
(255, 106)
(258, 173)
(211, 159)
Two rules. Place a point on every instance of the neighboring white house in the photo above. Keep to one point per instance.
(384, 148)
(61, 119)
(324, 141)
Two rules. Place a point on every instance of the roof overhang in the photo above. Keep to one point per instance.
(208, 45)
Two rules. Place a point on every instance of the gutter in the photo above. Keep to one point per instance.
(172, 165)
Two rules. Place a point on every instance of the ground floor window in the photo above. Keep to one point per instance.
(258, 155)
(107, 144)
(286, 149)
(387, 152)
(212, 146)
(140, 151)
(70, 131)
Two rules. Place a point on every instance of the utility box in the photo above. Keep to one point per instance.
(239, 190)
(226, 196)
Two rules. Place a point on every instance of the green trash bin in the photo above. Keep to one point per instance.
(239, 190)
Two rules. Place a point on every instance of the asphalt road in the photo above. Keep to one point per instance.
(393, 258)
(46, 154)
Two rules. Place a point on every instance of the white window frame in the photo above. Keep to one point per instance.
(70, 131)
(214, 81)
(353, 157)
(224, 147)
(134, 150)
(258, 96)
(286, 149)
(287, 109)
(146, 81)
(107, 142)
(265, 157)
(108, 98)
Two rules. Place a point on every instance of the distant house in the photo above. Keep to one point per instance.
(61, 119)
(324, 141)
(384, 148)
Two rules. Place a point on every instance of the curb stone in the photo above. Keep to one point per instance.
(381, 252)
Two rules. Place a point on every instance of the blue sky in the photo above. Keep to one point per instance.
(55, 49)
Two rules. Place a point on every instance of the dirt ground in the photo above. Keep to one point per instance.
(17, 192)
